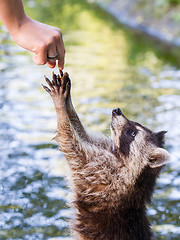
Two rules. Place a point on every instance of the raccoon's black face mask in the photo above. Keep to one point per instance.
(131, 140)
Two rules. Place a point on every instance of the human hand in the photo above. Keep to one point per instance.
(43, 40)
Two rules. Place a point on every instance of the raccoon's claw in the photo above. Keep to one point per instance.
(46, 88)
(61, 73)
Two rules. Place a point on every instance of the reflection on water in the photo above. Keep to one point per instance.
(109, 67)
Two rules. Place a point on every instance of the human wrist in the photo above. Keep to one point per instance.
(17, 24)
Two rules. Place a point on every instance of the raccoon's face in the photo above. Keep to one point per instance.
(136, 143)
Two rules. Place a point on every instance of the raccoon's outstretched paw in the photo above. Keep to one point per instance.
(54, 85)
(59, 87)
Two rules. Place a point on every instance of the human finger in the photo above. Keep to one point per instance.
(61, 51)
(51, 52)
(61, 58)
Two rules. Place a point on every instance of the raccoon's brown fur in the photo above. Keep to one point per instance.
(112, 178)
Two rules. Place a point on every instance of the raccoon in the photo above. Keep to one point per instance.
(112, 178)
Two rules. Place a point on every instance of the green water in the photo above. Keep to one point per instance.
(109, 67)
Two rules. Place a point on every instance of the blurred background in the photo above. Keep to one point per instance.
(110, 66)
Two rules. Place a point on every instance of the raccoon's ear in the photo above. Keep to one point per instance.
(160, 137)
(158, 158)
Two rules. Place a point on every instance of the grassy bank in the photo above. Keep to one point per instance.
(160, 15)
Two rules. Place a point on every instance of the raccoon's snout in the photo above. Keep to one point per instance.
(116, 112)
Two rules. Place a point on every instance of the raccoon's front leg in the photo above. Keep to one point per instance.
(60, 92)
(67, 138)
(70, 110)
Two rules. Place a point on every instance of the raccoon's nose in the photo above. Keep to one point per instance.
(117, 112)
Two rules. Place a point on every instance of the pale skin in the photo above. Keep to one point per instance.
(37, 37)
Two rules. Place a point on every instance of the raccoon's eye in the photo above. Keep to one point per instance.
(131, 133)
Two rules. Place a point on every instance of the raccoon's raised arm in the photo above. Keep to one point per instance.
(71, 113)
(72, 138)
(76, 124)
(67, 136)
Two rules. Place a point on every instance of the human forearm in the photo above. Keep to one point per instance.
(42, 39)
(12, 14)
